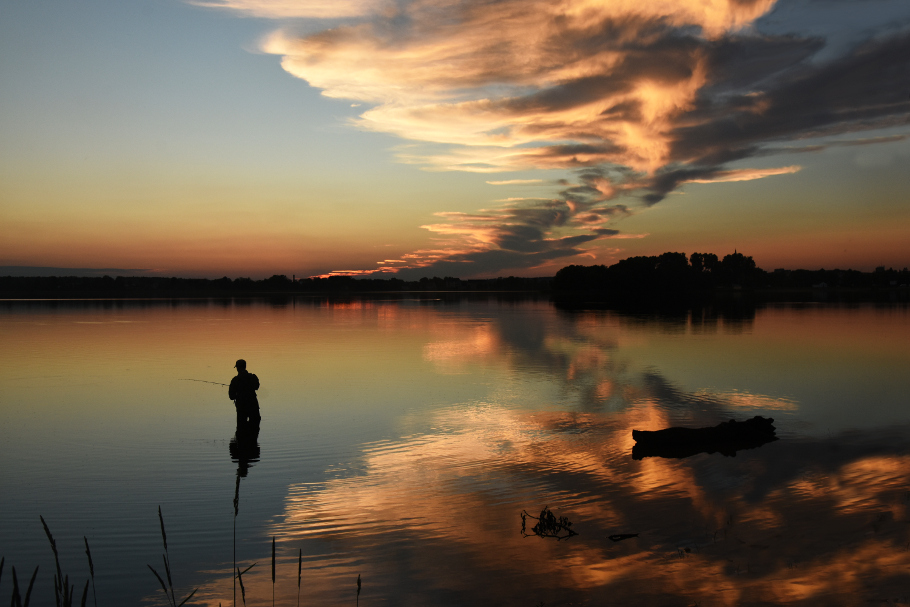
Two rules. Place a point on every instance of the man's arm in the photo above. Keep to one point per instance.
(232, 390)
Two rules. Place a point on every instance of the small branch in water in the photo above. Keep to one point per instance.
(547, 525)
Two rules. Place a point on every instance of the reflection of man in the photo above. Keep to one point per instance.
(243, 392)
(244, 447)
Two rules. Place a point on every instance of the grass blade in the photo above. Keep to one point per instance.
(242, 589)
(91, 570)
(163, 534)
(84, 595)
(59, 579)
(31, 584)
(188, 598)
(160, 581)
(15, 601)
(68, 592)
(165, 556)
(167, 571)
(299, 569)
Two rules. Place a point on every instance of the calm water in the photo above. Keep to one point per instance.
(401, 440)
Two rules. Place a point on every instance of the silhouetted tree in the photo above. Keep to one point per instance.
(737, 269)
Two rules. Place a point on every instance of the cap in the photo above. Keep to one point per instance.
(240, 364)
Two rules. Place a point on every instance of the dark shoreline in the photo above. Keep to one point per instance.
(148, 287)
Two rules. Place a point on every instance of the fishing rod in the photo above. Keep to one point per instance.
(217, 383)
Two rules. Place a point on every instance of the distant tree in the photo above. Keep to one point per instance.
(703, 262)
(671, 271)
(738, 269)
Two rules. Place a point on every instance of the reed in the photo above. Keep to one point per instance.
(91, 570)
(16, 599)
(172, 597)
(240, 579)
(236, 510)
(63, 590)
(273, 571)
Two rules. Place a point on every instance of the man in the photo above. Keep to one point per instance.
(243, 392)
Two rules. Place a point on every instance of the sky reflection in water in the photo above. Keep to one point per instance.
(401, 440)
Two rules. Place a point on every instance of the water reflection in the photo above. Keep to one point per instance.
(778, 525)
(244, 446)
(789, 522)
(405, 439)
(725, 438)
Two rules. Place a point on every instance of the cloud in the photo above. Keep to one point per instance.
(525, 236)
(285, 9)
(746, 174)
(636, 98)
(608, 77)
(516, 182)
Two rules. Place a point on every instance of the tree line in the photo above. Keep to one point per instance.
(668, 272)
(674, 272)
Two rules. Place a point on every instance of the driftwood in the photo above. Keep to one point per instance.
(726, 438)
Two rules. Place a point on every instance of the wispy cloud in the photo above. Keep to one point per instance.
(637, 98)
(516, 182)
(745, 174)
(287, 9)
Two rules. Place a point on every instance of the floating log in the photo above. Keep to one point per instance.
(726, 438)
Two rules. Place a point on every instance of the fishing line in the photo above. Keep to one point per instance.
(217, 383)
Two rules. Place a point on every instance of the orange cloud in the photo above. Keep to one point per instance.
(638, 97)
(747, 174)
(516, 182)
(484, 75)
(285, 9)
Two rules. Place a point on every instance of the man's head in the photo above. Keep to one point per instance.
(240, 365)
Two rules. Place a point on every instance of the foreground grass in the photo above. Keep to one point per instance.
(65, 591)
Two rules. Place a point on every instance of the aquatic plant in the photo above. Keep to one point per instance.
(240, 579)
(172, 597)
(16, 599)
(91, 570)
(63, 591)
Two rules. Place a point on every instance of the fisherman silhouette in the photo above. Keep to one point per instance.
(243, 392)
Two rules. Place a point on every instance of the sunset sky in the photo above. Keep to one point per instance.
(469, 138)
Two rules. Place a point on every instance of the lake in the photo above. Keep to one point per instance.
(401, 441)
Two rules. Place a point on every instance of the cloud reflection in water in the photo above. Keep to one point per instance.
(436, 518)
(432, 517)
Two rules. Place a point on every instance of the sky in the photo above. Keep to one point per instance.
(468, 138)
